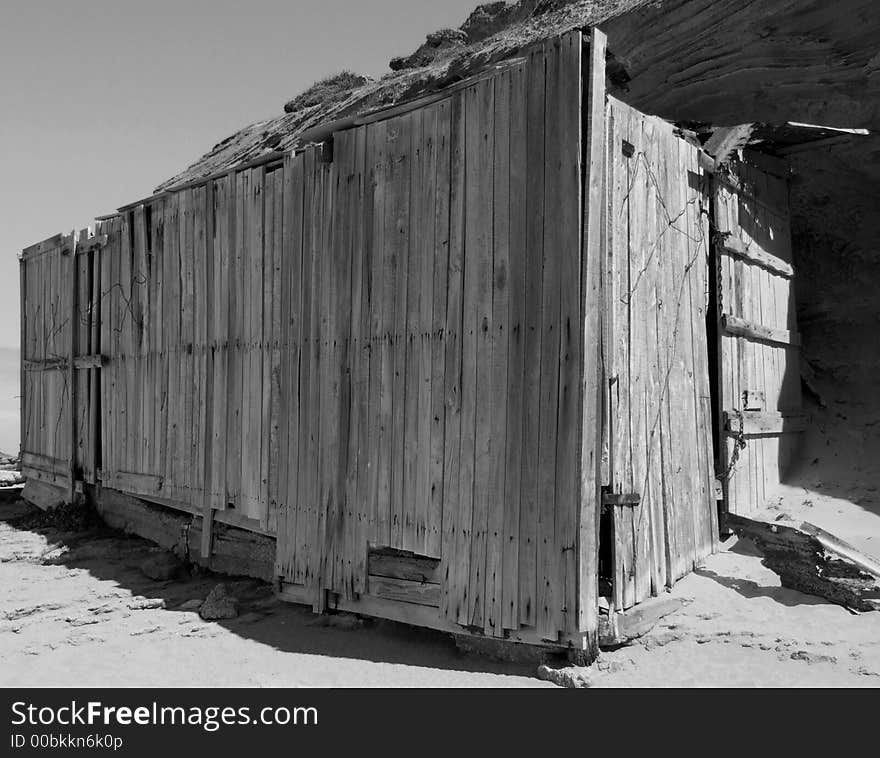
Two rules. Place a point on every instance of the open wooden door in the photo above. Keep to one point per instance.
(659, 417)
(759, 384)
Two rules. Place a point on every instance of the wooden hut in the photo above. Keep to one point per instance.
(462, 363)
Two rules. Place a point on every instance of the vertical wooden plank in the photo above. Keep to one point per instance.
(548, 591)
(707, 524)
(386, 528)
(140, 328)
(255, 437)
(450, 602)
(72, 324)
(157, 344)
(495, 398)
(237, 335)
(376, 149)
(441, 281)
(397, 213)
(533, 329)
(568, 193)
(590, 431)
(652, 542)
(327, 387)
(665, 494)
(479, 257)
(208, 294)
(247, 311)
(310, 544)
(363, 389)
(291, 405)
(266, 342)
(423, 335)
(623, 177)
(411, 333)
(126, 386)
(358, 209)
(24, 319)
(285, 470)
(516, 192)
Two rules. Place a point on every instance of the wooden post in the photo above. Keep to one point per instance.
(591, 292)
(22, 264)
(71, 372)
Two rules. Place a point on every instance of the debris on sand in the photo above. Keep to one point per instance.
(146, 604)
(812, 561)
(190, 605)
(577, 677)
(218, 605)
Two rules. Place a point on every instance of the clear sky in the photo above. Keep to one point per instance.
(101, 100)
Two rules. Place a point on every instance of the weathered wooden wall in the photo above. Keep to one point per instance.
(190, 334)
(46, 324)
(659, 413)
(60, 297)
(433, 384)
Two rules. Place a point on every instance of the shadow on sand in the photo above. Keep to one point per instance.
(111, 556)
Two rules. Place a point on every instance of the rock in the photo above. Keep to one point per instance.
(572, 676)
(446, 38)
(162, 566)
(487, 19)
(218, 605)
(190, 605)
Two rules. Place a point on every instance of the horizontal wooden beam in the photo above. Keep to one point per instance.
(43, 247)
(45, 462)
(135, 484)
(227, 517)
(763, 423)
(742, 328)
(404, 613)
(420, 593)
(56, 364)
(736, 247)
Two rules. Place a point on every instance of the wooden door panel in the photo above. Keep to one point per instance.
(657, 358)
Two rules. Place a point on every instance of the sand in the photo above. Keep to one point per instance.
(75, 609)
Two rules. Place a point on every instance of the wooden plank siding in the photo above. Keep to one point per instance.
(415, 320)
